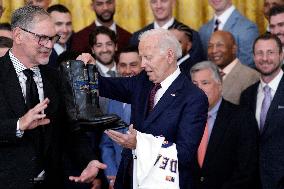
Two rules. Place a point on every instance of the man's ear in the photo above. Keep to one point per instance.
(17, 35)
(170, 56)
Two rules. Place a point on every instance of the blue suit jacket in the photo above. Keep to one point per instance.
(180, 116)
(243, 30)
(196, 51)
(110, 150)
(271, 141)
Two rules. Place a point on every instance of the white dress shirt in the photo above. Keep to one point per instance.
(260, 94)
(165, 85)
(166, 25)
(224, 17)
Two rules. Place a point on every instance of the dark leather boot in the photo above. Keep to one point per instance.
(80, 93)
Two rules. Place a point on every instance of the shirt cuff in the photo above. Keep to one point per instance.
(19, 133)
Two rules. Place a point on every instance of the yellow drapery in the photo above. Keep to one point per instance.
(134, 14)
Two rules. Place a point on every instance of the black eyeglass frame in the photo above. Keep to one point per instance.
(43, 39)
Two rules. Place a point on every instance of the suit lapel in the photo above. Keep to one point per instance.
(218, 131)
(231, 21)
(169, 96)
(277, 100)
(12, 89)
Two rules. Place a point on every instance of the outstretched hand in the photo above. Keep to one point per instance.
(89, 173)
(127, 140)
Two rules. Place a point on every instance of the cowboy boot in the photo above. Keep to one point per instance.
(81, 107)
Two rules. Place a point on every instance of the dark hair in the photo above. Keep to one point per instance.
(59, 8)
(269, 36)
(5, 26)
(101, 30)
(6, 42)
(183, 28)
(275, 11)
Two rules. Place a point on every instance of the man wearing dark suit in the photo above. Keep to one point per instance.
(184, 35)
(32, 129)
(236, 77)
(104, 9)
(229, 158)
(265, 100)
(62, 20)
(177, 111)
(163, 15)
(230, 19)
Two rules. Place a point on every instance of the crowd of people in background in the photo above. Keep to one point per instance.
(216, 93)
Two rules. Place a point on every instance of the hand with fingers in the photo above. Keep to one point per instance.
(89, 173)
(127, 140)
(34, 117)
(87, 58)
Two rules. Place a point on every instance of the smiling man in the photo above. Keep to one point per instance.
(276, 22)
(104, 10)
(62, 20)
(265, 101)
(228, 18)
(222, 50)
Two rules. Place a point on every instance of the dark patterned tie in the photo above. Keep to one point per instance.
(152, 96)
(32, 97)
(216, 27)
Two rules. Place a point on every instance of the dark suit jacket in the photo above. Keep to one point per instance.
(18, 159)
(80, 42)
(53, 56)
(186, 65)
(231, 157)
(196, 51)
(271, 153)
(179, 116)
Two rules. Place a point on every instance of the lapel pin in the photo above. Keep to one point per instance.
(173, 94)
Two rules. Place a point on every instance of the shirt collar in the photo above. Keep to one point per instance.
(59, 49)
(166, 25)
(19, 67)
(224, 16)
(213, 112)
(229, 67)
(112, 27)
(104, 68)
(182, 59)
(273, 84)
(169, 80)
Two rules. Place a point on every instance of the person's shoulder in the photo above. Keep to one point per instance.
(122, 31)
(85, 30)
(242, 20)
(145, 28)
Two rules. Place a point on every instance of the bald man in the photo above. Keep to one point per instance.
(41, 3)
(222, 50)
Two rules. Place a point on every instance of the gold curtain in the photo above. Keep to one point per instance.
(134, 14)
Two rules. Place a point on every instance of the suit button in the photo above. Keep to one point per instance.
(202, 179)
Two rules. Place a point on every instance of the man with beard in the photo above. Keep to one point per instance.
(276, 22)
(104, 9)
(266, 100)
(61, 17)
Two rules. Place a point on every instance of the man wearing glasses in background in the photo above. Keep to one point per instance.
(32, 128)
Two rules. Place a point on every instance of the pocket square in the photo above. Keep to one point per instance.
(280, 107)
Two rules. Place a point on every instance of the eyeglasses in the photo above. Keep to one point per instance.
(43, 39)
(268, 53)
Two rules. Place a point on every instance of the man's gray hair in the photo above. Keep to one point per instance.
(25, 17)
(166, 40)
(207, 65)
